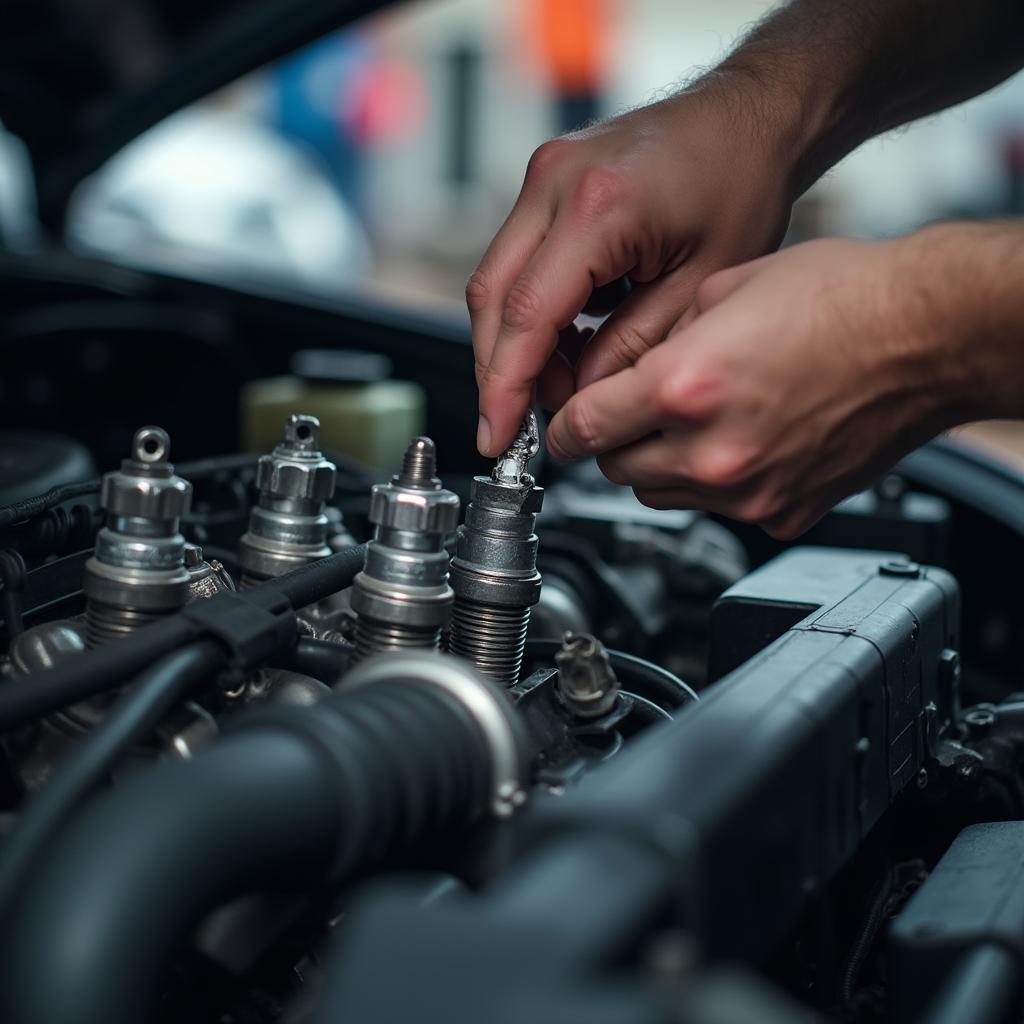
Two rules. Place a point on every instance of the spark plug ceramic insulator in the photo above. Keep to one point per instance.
(494, 571)
(402, 598)
(288, 526)
(138, 571)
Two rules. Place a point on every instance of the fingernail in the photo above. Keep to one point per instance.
(483, 437)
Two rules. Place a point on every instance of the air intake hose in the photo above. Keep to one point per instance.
(295, 793)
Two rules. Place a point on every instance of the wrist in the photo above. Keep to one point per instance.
(959, 289)
(798, 113)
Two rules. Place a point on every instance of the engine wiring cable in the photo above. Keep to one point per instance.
(352, 474)
(866, 936)
(87, 766)
(104, 668)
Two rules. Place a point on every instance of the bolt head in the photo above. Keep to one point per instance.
(311, 479)
(401, 508)
(149, 497)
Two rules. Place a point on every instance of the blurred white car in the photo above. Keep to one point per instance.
(222, 194)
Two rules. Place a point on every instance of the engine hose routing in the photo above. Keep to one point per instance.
(88, 764)
(319, 659)
(297, 797)
(644, 678)
(108, 666)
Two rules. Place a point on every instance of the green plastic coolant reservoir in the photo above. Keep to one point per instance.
(362, 412)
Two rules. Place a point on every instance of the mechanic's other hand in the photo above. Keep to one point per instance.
(666, 195)
(799, 379)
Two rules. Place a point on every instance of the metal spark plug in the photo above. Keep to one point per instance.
(138, 572)
(288, 526)
(494, 571)
(402, 598)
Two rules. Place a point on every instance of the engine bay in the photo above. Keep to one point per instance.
(283, 743)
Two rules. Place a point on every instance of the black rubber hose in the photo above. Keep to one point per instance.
(12, 585)
(104, 668)
(644, 678)
(317, 580)
(297, 797)
(88, 764)
(318, 659)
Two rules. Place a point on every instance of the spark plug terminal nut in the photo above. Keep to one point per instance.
(137, 572)
(288, 526)
(402, 597)
(494, 570)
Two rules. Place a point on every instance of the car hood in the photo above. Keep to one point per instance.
(79, 79)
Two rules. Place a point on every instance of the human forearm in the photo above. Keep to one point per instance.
(829, 74)
(964, 288)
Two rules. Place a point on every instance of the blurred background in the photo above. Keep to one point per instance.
(381, 159)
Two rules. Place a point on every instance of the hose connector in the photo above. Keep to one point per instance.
(402, 597)
(494, 571)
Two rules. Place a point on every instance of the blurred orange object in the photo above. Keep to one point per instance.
(572, 38)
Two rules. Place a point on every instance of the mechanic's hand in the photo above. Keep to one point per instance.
(795, 380)
(666, 195)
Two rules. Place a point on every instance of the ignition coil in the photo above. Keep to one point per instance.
(288, 526)
(494, 571)
(138, 571)
(402, 598)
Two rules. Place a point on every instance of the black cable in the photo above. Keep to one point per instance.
(12, 584)
(319, 659)
(19, 511)
(644, 678)
(866, 936)
(296, 798)
(104, 668)
(28, 508)
(88, 764)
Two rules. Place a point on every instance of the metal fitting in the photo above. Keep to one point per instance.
(402, 598)
(137, 573)
(206, 579)
(494, 570)
(587, 684)
(288, 526)
(493, 714)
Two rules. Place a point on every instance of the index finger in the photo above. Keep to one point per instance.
(546, 297)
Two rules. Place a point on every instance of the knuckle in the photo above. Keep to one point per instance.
(710, 289)
(578, 422)
(762, 507)
(598, 191)
(696, 393)
(478, 291)
(522, 305)
(546, 157)
(630, 344)
(724, 465)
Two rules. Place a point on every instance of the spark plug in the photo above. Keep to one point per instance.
(494, 571)
(288, 525)
(402, 598)
(138, 573)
